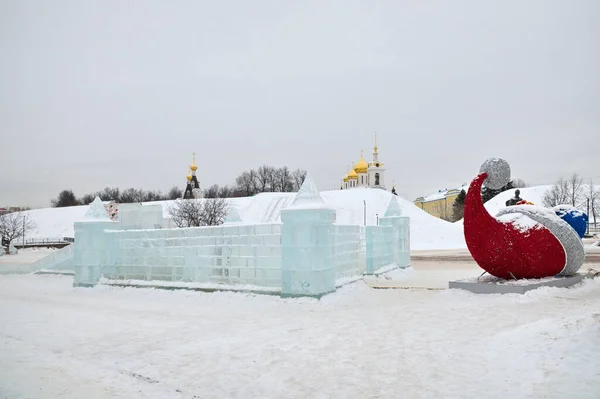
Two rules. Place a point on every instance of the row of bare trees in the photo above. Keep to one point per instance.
(128, 196)
(194, 213)
(261, 180)
(577, 192)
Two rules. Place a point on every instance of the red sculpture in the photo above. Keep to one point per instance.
(504, 249)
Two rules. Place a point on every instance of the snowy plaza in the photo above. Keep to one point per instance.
(395, 334)
(356, 343)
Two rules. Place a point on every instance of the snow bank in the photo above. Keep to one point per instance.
(531, 194)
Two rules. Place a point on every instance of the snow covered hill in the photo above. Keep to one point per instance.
(532, 194)
(427, 232)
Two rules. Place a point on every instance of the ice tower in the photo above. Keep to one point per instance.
(307, 267)
(91, 243)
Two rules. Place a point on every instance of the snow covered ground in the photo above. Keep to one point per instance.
(532, 194)
(108, 342)
(20, 262)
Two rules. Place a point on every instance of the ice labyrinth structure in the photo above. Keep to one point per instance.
(307, 254)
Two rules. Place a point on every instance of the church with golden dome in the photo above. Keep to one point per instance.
(192, 190)
(366, 174)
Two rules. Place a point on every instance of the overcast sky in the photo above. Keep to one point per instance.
(120, 93)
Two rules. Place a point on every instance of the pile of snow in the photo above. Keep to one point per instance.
(532, 194)
(521, 222)
(427, 232)
(55, 222)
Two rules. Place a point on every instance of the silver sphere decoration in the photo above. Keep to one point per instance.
(498, 173)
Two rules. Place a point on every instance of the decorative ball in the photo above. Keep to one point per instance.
(498, 173)
(574, 217)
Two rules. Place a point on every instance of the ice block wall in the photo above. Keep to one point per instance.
(306, 255)
(381, 244)
(232, 254)
(349, 259)
(138, 216)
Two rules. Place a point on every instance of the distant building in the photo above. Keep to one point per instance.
(440, 204)
(192, 189)
(366, 174)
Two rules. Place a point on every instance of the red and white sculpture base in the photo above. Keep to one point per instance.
(522, 241)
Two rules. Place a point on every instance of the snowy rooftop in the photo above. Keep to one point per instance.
(443, 193)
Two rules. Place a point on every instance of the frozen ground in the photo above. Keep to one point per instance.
(20, 262)
(106, 342)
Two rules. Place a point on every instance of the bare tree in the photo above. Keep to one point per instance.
(518, 183)
(225, 192)
(131, 195)
(246, 183)
(150, 196)
(15, 225)
(558, 194)
(212, 191)
(576, 188)
(593, 196)
(565, 192)
(186, 212)
(214, 212)
(194, 213)
(285, 182)
(273, 180)
(263, 178)
(175, 193)
(298, 177)
(110, 194)
(89, 198)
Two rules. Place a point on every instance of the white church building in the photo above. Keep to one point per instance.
(366, 174)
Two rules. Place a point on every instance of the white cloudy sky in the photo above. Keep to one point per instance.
(120, 93)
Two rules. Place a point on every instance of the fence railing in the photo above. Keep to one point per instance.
(46, 241)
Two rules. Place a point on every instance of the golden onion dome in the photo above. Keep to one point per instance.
(189, 177)
(346, 178)
(352, 175)
(193, 166)
(361, 166)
